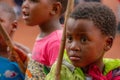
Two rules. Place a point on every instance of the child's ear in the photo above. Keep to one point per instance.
(14, 25)
(14, 28)
(109, 42)
(56, 8)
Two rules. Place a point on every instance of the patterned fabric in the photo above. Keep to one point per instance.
(10, 70)
(35, 71)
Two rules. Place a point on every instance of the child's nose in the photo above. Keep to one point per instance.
(25, 4)
(75, 46)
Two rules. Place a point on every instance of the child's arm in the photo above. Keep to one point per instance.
(22, 47)
(23, 55)
(22, 51)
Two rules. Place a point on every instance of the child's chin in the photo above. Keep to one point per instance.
(29, 24)
(77, 65)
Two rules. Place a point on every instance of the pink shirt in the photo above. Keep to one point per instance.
(46, 50)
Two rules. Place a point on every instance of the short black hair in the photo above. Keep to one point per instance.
(102, 16)
(8, 9)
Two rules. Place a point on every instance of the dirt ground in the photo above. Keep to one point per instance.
(27, 35)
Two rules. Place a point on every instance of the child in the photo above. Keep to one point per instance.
(46, 14)
(90, 32)
(10, 70)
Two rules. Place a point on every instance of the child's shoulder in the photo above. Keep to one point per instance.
(68, 72)
(7, 64)
(56, 35)
(51, 39)
(111, 64)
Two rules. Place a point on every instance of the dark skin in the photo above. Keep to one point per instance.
(53, 25)
(44, 13)
(85, 44)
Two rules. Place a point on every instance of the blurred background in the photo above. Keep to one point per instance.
(27, 34)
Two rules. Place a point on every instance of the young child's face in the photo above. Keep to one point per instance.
(85, 43)
(6, 23)
(36, 12)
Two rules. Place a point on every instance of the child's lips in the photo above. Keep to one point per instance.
(75, 58)
(25, 16)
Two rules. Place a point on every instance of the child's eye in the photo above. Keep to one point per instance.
(83, 39)
(69, 38)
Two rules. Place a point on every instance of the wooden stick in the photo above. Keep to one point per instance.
(62, 47)
(8, 41)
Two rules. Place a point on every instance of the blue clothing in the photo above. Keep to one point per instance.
(10, 70)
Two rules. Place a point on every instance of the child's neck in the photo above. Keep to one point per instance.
(48, 28)
(99, 64)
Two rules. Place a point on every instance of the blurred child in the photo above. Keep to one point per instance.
(90, 32)
(10, 70)
(46, 14)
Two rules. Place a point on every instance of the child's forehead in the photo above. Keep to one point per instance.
(51, 0)
(74, 22)
(4, 11)
(4, 14)
(80, 25)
